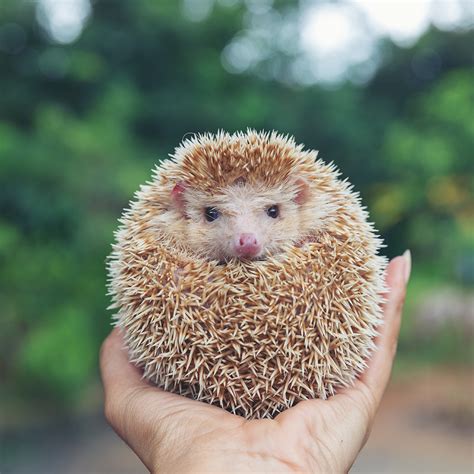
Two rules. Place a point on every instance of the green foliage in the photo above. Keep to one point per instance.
(429, 158)
(82, 125)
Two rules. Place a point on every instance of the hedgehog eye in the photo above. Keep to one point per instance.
(273, 211)
(211, 213)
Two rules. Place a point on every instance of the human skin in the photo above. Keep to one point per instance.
(173, 434)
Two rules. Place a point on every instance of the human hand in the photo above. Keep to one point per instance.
(171, 433)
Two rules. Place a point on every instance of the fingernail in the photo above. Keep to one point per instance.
(407, 257)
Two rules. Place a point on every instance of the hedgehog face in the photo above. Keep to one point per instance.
(243, 221)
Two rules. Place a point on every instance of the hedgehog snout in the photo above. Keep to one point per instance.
(247, 245)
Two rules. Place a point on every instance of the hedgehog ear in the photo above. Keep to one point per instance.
(302, 191)
(177, 195)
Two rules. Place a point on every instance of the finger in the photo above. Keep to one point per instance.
(122, 379)
(123, 382)
(374, 380)
(125, 392)
(148, 418)
(377, 375)
(118, 374)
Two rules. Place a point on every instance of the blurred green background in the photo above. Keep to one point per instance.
(93, 94)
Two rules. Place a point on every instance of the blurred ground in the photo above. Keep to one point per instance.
(425, 424)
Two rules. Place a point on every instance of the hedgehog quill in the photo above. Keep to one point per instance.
(246, 274)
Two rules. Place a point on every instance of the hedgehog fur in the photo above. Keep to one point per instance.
(253, 337)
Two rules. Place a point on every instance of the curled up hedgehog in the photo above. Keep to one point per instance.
(246, 274)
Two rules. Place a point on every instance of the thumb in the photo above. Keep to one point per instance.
(370, 387)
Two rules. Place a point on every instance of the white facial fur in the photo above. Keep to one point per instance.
(243, 210)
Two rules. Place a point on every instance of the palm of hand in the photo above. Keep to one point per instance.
(171, 433)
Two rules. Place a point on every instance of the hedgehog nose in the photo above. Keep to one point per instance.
(247, 245)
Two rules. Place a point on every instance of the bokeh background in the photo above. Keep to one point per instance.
(94, 93)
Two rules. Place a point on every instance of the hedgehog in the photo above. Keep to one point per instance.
(246, 274)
